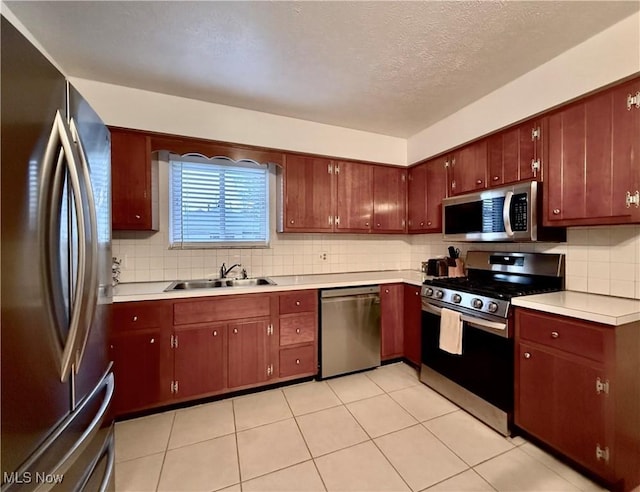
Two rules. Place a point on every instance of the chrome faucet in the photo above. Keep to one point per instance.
(224, 271)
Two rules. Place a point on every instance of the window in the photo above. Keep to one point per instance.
(217, 202)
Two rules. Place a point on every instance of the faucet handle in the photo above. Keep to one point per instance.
(244, 273)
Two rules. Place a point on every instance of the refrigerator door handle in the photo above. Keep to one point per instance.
(90, 295)
(60, 143)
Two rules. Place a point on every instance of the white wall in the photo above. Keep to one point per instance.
(135, 108)
(606, 57)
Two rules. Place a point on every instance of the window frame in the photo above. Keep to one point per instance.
(218, 161)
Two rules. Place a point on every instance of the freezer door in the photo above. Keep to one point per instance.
(33, 399)
(78, 452)
(94, 147)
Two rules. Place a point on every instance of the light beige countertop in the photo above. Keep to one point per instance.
(608, 310)
(146, 291)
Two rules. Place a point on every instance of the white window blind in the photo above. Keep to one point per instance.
(217, 202)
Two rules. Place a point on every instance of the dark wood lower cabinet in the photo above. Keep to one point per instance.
(578, 390)
(391, 321)
(249, 353)
(179, 350)
(200, 359)
(412, 324)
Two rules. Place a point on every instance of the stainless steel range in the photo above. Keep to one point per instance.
(480, 380)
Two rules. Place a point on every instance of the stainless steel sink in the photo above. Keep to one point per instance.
(249, 282)
(218, 283)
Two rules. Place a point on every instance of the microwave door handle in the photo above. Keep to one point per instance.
(506, 214)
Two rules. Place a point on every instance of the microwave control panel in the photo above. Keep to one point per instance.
(519, 214)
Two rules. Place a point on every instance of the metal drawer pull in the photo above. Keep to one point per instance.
(235, 330)
(554, 334)
(298, 361)
(135, 318)
(298, 330)
(556, 211)
(153, 340)
(137, 217)
(215, 333)
(297, 303)
(527, 355)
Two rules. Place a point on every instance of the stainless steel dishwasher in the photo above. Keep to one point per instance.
(349, 330)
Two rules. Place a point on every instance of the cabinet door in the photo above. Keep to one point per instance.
(131, 181)
(143, 369)
(436, 191)
(200, 360)
(535, 392)
(412, 324)
(391, 320)
(354, 196)
(512, 154)
(308, 193)
(249, 352)
(389, 199)
(468, 168)
(417, 202)
(592, 153)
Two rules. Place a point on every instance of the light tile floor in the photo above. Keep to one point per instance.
(380, 430)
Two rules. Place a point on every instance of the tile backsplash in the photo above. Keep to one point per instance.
(602, 260)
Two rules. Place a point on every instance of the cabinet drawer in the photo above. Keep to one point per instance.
(297, 329)
(299, 360)
(139, 315)
(223, 308)
(298, 302)
(574, 337)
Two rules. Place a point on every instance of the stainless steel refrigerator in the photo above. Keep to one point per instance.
(55, 281)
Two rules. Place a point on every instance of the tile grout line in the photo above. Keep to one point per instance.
(235, 435)
(295, 419)
(166, 449)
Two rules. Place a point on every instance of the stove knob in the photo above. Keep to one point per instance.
(428, 291)
(456, 298)
(477, 303)
(439, 294)
(493, 307)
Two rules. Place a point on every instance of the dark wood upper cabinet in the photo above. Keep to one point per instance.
(467, 168)
(389, 199)
(134, 177)
(515, 154)
(307, 191)
(354, 196)
(427, 188)
(593, 160)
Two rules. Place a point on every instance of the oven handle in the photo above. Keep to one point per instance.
(506, 214)
(492, 327)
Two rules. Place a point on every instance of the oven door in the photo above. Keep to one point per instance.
(484, 371)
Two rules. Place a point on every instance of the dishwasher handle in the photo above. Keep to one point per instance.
(374, 298)
(350, 291)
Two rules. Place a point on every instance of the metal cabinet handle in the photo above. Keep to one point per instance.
(215, 333)
(428, 223)
(527, 355)
(298, 361)
(556, 211)
(421, 223)
(134, 319)
(235, 330)
(496, 178)
(153, 340)
(366, 224)
(386, 291)
(416, 293)
(378, 225)
(297, 303)
(291, 221)
(479, 182)
(138, 217)
(554, 334)
(298, 331)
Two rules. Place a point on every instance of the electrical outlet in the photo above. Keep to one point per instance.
(323, 256)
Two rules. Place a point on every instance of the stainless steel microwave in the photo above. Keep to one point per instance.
(507, 214)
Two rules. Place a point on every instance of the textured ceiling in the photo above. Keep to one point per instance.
(386, 67)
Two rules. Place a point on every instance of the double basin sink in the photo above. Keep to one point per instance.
(218, 283)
